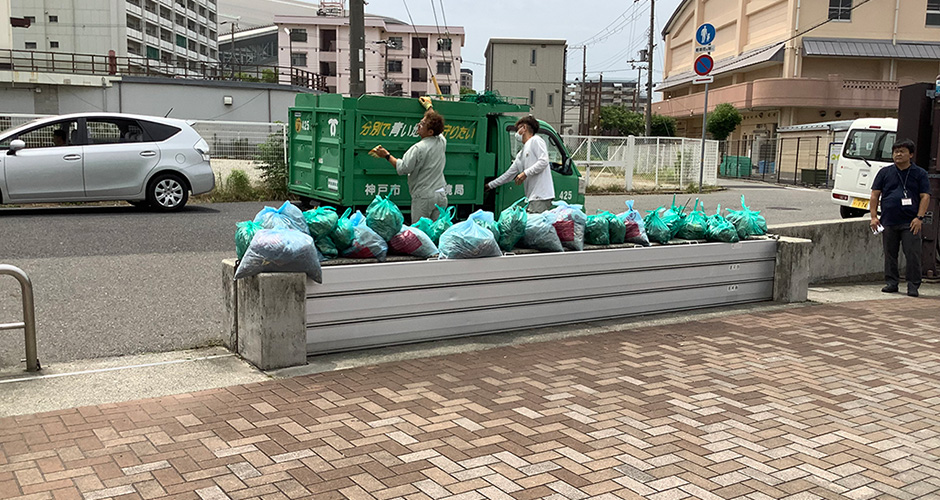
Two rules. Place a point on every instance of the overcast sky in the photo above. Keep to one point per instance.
(615, 30)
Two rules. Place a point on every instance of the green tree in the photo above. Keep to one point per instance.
(723, 121)
(662, 126)
(268, 76)
(270, 159)
(467, 90)
(621, 121)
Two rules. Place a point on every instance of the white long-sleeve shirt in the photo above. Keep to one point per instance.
(533, 160)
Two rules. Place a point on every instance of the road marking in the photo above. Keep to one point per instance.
(801, 189)
(115, 368)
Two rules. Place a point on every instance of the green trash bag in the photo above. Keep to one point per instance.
(511, 224)
(616, 228)
(244, 232)
(326, 247)
(597, 230)
(343, 234)
(719, 229)
(487, 221)
(695, 224)
(748, 222)
(445, 217)
(656, 229)
(321, 221)
(424, 224)
(670, 216)
(384, 217)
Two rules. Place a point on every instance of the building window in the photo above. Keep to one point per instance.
(327, 40)
(933, 12)
(445, 89)
(532, 95)
(298, 59)
(840, 10)
(53, 44)
(393, 88)
(415, 94)
(394, 65)
(532, 59)
(416, 45)
(551, 100)
(298, 35)
(181, 41)
(395, 43)
(30, 45)
(153, 53)
(31, 19)
(53, 19)
(445, 44)
(443, 68)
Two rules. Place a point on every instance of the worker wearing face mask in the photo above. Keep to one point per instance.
(530, 167)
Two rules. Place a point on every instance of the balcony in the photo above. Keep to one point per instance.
(166, 23)
(135, 34)
(165, 45)
(133, 9)
(152, 17)
(772, 93)
(152, 40)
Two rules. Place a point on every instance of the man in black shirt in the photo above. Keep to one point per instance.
(903, 191)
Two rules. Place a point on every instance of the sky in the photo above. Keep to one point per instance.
(613, 30)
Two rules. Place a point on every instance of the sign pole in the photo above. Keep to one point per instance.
(701, 167)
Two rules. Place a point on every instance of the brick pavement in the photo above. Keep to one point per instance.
(836, 401)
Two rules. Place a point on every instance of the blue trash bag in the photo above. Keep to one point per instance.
(540, 233)
(633, 222)
(367, 244)
(487, 221)
(412, 241)
(384, 217)
(570, 221)
(357, 218)
(469, 240)
(281, 251)
(286, 217)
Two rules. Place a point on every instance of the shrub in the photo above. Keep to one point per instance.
(271, 162)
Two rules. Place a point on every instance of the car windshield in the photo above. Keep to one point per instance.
(868, 144)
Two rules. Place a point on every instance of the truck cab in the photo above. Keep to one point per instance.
(866, 150)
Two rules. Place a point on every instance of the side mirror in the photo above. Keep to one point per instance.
(16, 145)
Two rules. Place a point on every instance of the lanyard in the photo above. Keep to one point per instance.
(904, 180)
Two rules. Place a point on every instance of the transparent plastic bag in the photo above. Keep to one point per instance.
(280, 251)
(366, 244)
(468, 240)
(244, 231)
(412, 241)
(321, 221)
(570, 221)
(597, 230)
(748, 222)
(512, 224)
(695, 224)
(633, 223)
(424, 224)
(656, 229)
(286, 217)
(384, 217)
(540, 234)
(487, 221)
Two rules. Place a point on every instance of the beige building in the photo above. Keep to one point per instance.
(533, 69)
(408, 55)
(778, 70)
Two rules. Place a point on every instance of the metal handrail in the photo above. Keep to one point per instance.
(29, 315)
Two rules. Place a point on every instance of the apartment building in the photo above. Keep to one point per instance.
(178, 33)
(532, 69)
(466, 78)
(400, 59)
(599, 93)
(790, 62)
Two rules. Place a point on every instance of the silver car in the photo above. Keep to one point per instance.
(145, 160)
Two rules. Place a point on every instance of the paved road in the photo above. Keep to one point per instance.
(115, 280)
(798, 403)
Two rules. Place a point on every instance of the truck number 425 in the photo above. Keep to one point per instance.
(565, 195)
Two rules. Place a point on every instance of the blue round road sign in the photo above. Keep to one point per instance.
(704, 64)
(705, 34)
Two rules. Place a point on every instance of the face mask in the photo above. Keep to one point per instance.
(518, 137)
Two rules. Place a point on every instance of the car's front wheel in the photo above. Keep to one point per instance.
(167, 192)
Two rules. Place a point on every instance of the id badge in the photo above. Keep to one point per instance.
(906, 202)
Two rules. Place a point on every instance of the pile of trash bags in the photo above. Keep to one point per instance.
(287, 239)
(277, 240)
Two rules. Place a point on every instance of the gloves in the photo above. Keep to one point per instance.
(426, 102)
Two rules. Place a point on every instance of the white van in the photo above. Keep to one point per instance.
(867, 148)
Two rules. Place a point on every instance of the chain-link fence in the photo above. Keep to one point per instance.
(805, 160)
(643, 163)
(239, 140)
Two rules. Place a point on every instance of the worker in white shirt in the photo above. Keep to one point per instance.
(531, 167)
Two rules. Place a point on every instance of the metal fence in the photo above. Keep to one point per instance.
(643, 163)
(805, 160)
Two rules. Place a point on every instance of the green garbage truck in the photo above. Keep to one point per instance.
(330, 137)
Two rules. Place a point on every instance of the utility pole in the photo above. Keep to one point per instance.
(636, 88)
(649, 71)
(581, 121)
(357, 48)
